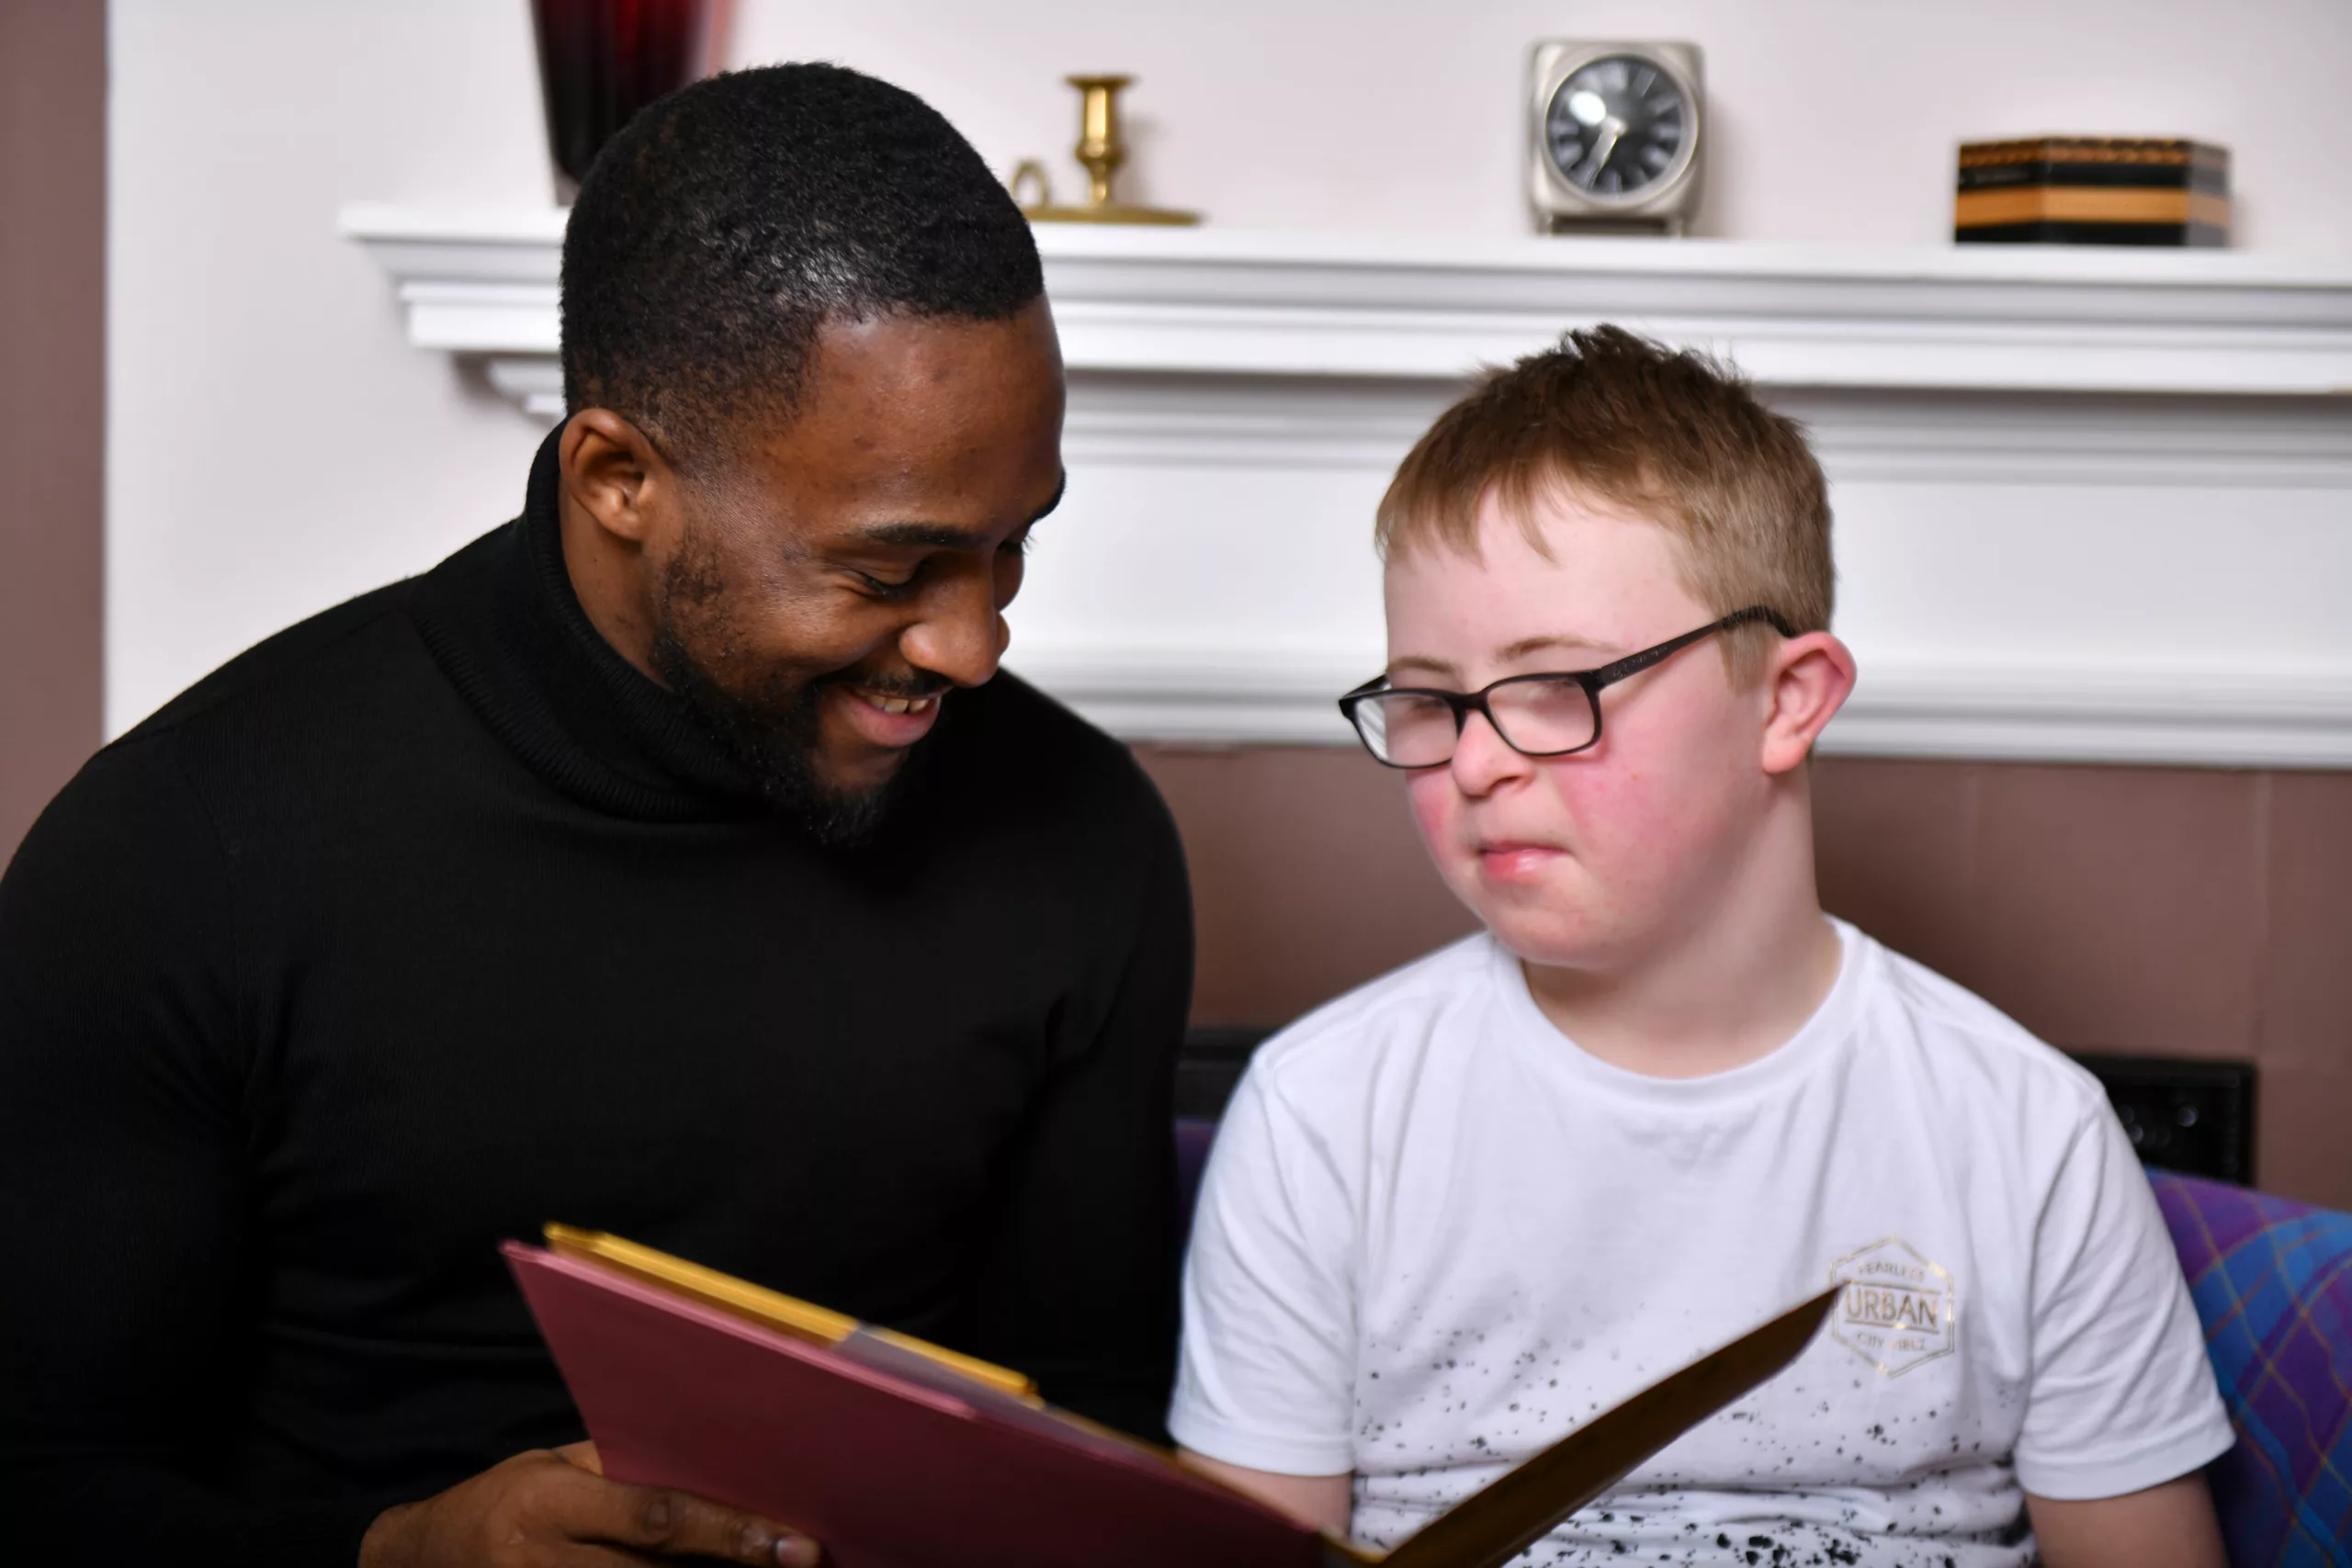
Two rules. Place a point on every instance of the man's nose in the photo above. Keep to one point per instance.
(959, 634)
(1482, 761)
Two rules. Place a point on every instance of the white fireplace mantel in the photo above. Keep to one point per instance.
(1212, 301)
(2094, 504)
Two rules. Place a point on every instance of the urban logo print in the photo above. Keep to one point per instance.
(1897, 1310)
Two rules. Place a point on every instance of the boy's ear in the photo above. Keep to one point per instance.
(1808, 681)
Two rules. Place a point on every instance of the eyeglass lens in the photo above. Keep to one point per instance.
(1410, 731)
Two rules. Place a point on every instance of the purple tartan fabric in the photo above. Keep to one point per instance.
(2273, 1283)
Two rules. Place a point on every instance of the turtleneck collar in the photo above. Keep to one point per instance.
(502, 619)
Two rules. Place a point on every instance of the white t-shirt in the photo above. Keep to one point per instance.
(1434, 1236)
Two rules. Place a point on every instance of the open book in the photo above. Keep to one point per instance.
(897, 1454)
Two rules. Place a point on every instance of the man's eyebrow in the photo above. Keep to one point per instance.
(942, 536)
(928, 535)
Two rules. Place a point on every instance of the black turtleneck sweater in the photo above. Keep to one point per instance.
(432, 920)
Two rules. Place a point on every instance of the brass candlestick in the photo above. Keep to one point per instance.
(1101, 149)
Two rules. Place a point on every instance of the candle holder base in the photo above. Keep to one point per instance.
(1101, 149)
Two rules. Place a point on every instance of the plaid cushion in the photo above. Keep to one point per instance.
(2273, 1282)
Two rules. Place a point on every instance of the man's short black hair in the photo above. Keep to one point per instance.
(728, 221)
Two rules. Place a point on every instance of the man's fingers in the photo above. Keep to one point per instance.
(575, 1555)
(667, 1523)
(582, 1454)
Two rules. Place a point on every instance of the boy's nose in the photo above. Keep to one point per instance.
(1482, 761)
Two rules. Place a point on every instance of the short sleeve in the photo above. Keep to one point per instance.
(2122, 1395)
(1267, 1374)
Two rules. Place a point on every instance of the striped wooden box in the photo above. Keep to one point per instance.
(2093, 190)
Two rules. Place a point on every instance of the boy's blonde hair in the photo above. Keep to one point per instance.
(1674, 438)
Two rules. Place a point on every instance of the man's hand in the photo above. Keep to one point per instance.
(555, 1510)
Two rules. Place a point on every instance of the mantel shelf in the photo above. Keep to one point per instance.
(1222, 301)
(2092, 504)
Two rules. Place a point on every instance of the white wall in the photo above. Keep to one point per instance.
(274, 445)
(1834, 120)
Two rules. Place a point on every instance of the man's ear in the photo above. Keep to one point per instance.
(614, 473)
(1807, 682)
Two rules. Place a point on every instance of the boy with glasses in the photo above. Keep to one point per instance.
(1662, 1096)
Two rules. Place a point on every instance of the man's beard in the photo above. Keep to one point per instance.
(774, 730)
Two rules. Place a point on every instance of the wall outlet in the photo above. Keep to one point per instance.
(2193, 1117)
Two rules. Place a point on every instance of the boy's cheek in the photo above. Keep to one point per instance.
(1437, 812)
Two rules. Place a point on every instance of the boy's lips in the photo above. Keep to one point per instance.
(1513, 859)
(891, 720)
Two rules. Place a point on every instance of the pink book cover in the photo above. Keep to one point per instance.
(884, 1470)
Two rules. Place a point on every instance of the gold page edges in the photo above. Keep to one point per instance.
(760, 1305)
(822, 1325)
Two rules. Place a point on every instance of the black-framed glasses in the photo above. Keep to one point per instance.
(1537, 715)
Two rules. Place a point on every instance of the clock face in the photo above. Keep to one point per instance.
(1616, 126)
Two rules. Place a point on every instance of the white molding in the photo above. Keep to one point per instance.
(2223, 719)
(1277, 375)
(1125, 419)
(1213, 301)
(2034, 319)
(2233, 442)
(475, 281)
(2243, 443)
(532, 382)
(1228, 421)
(2246, 719)
(1201, 695)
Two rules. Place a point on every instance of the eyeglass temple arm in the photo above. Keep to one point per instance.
(1634, 663)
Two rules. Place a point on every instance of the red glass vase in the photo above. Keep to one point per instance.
(602, 61)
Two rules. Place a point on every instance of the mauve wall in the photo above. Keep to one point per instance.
(53, 397)
(2169, 912)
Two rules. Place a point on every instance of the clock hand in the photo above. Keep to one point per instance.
(1611, 130)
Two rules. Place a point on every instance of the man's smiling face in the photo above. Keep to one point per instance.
(823, 590)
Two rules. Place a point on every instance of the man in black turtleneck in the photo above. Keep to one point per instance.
(672, 861)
